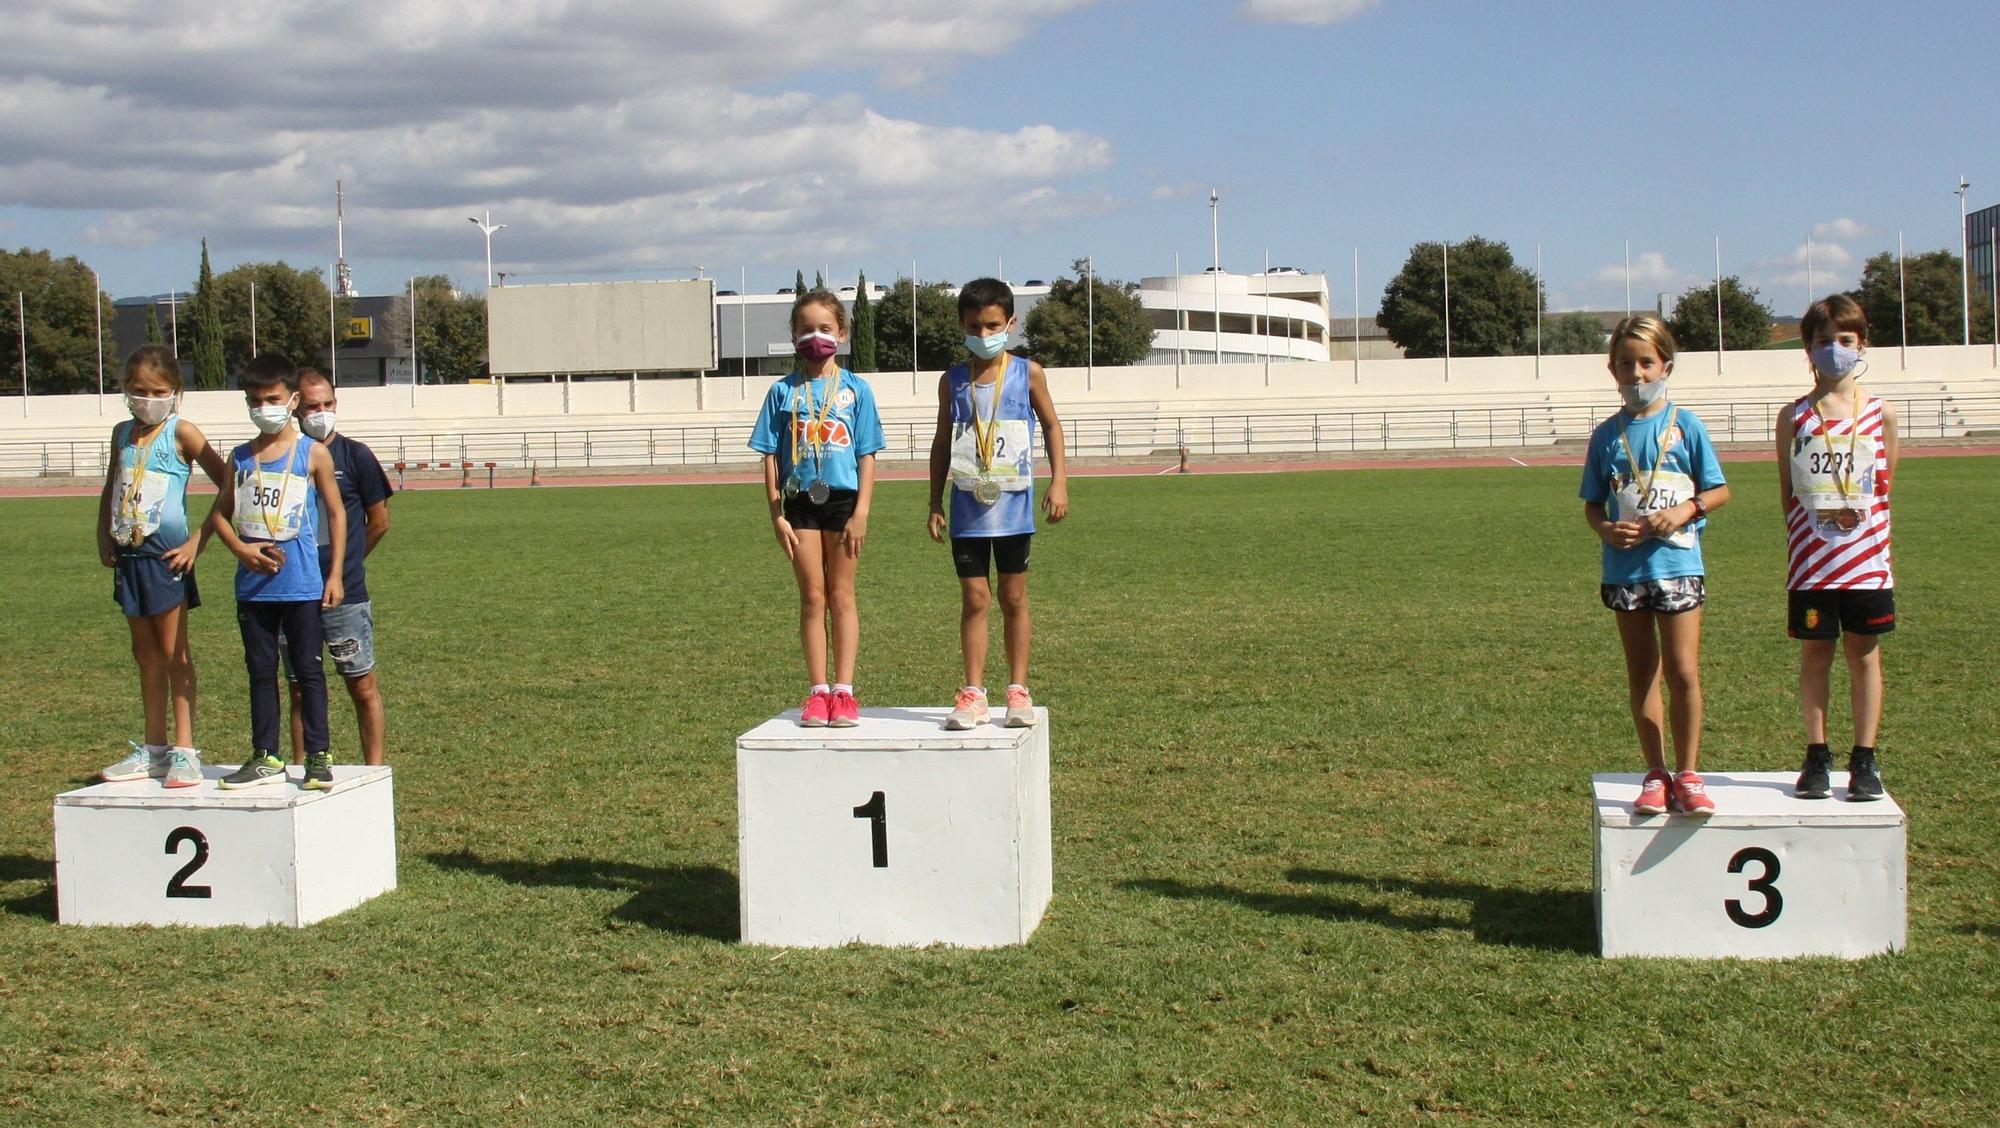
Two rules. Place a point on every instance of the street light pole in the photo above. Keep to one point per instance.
(1215, 274)
(487, 227)
(97, 310)
(1964, 266)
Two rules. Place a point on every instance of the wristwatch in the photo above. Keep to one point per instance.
(1700, 507)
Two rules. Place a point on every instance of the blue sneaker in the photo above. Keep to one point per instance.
(140, 763)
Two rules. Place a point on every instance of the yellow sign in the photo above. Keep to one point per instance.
(358, 329)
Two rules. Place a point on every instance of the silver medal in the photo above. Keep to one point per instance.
(819, 492)
(986, 491)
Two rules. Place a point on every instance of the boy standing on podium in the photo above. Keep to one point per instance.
(988, 409)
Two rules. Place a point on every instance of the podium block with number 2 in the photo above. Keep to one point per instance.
(138, 853)
(1767, 875)
(894, 832)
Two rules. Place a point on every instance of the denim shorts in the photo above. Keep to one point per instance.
(350, 639)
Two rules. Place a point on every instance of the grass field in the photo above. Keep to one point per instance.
(1322, 756)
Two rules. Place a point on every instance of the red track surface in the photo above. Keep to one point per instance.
(515, 479)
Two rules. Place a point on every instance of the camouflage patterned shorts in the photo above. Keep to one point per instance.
(1671, 597)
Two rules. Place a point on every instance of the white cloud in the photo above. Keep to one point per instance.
(1182, 190)
(1840, 229)
(1650, 273)
(1825, 266)
(607, 135)
(1317, 13)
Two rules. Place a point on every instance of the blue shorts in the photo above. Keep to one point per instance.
(143, 586)
(350, 639)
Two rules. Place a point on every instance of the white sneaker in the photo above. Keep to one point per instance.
(140, 763)
(968, 710)
(1020, 707)
(183, 768)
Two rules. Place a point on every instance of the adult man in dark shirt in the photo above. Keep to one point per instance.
(350, 627)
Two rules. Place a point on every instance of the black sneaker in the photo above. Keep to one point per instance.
(260, 768)
(1864, 782)
(319, 771)
(1813, 782)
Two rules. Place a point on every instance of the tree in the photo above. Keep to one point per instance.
(1493, 301)
(798, 285)
(939, 339)
(1101, 323)
(291, 313)
(1571, 334)
(1746, 320)
(210, 370)
(451, 330)
(861, 357)
(155, 335)
(58, 296)
(1931, 283)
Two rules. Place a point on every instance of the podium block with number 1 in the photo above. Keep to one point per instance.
(894, 832)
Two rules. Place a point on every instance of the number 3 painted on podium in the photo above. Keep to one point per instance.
(1774, 902)
(176, 885)
(876, 811)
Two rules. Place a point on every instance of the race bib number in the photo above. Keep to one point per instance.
(140, 513)
(1011, 455)
(1821, 469)
(1669, 489)
(271, 510)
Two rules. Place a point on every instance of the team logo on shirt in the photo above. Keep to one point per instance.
(1812, 618)
(845, 398)
(832, 432)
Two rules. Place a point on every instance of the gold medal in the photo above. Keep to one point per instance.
(986, 490)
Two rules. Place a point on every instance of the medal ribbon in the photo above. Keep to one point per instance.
(1632, 460)
(1841, 482)
(257, 471)
(136, 481)
(816, 418)
(986, 432)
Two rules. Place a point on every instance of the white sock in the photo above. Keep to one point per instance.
(189, 749)
(819, 687)
(844, 687)
(978, 689)
(1012, 686)
(155, 749)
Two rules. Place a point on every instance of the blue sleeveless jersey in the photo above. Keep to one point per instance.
(299, 578)
(1013, 455)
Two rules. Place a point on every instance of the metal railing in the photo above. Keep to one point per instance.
(1275, 433)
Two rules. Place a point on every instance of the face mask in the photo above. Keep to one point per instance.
(1639, 397)
(271, 418)
(817, 345)
(317, 424)
(986, 348)
(1834, 361)
(149, 409)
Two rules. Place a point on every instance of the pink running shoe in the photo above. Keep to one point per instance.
(845, 713)
(1690, 795)
(1020, 707)
(816, 710)
(967, 710)
(1653, 794)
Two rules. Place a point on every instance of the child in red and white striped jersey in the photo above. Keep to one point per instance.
(1837, 449)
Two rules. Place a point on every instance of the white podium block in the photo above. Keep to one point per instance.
(1768, 875)
(139, 853)
(894, 832)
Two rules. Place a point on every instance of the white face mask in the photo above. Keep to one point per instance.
(271, 418)
(149, 409)
(1639, 397)
(317, 424)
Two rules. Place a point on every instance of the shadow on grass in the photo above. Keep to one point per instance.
(690, 900)
(1546, 919)
(27, 867)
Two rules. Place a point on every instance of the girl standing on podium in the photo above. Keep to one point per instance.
(818, 432)
(1649, 481)
(1837, 449)
(143, 537)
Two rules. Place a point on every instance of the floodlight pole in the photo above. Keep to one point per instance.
(332, 335)
(484, 221)
(1447, 311)
(1180, 330)
(1718, 305)
(1267, 317)
(1539, 298)
(97, 309)
(1902, 308)
(1809, 268)
(1628, 277)
(413, 340)
(253, 317)
(1964, 266)
(21, 327)
(1357, 315)
(1215, 275)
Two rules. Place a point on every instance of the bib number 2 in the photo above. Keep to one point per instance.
(1766, 884)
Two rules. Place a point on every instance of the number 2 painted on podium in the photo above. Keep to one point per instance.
(876, 811)
(177, 884)
(1774, 902)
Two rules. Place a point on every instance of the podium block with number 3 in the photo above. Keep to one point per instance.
(894, 832)
(1767, 875)
(139, 853)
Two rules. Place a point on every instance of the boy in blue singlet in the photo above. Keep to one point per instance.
(987, 415)
(270, 521)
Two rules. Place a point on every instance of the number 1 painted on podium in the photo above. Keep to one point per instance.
(876, 811)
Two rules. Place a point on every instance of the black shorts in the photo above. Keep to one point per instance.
(972, 556)
(1822, 613)
(828, 516)
(143, 586)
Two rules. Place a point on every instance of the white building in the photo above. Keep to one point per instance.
(1283, 315)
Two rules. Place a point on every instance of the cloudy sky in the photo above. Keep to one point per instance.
(622, 138)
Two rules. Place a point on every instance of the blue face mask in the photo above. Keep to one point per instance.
(986, 348)
(1834, 361)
